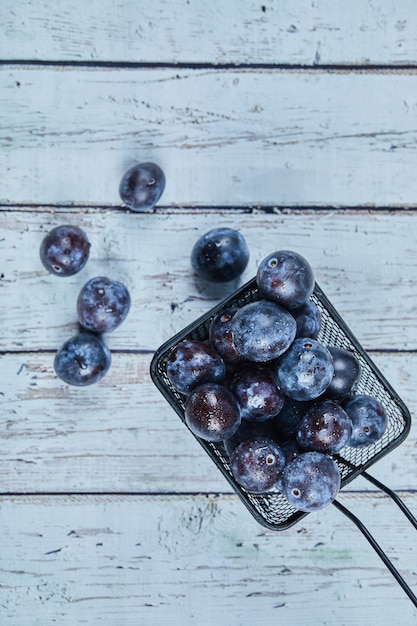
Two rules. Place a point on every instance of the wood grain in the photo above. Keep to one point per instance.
(111, 512)
(364, 262)
(181, 31)
(223, 138)
(121, 435)
(198, 559)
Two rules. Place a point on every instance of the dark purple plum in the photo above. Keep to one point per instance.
(311, 481)
(308, 320)
(285, 277)
(102, 304)
(220, 335)
(287, 420)
(191, 363)
(291, 450)
(142, 186)
(221, 255)
(347, 372)
(326, 427)
(82, 360)
(369, 419)
(262, 330)
(257, 392)
(212, 412)
(305, 371)
(257, 464)
(65, 250)
(249, 430)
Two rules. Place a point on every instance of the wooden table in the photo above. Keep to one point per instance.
(295, 123)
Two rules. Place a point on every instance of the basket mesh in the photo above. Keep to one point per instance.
(272, 509)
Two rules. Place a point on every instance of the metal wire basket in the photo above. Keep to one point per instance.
(272, 509)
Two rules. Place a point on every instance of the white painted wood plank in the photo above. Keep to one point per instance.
(364, 262)
(182, 560)
(176, 31)
(224, 138)
(121, 435)
(229, 138)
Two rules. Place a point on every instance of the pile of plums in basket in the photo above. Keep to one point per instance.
(281, 402)
(101, 307)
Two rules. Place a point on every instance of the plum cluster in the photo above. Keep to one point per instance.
(280, 401)
(101, 307)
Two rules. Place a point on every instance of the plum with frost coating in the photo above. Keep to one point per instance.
(191, 363)
(142, 186)
(256, 391)
(262, 330)
(249, 430)
(288, 419)
(308, 320)
(220, 255)
(311, 481)
(102, 304)
(257, 464)
(325, 427)
(285, 277)
(369, 419)
(347, 372)
(82, 360)
(212, 412)
(304, 372)
(221, 337)
(291, 450)
(65, 250)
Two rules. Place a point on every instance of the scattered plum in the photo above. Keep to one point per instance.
(142, 186)
(221, 255)
(65, 250)
(102, 304)
(82, 360)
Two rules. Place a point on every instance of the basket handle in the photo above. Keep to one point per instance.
(394, 497)
(365, 532)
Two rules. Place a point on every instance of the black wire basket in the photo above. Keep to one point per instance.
(272, 509)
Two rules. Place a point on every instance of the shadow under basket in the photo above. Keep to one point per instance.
(272, 509)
